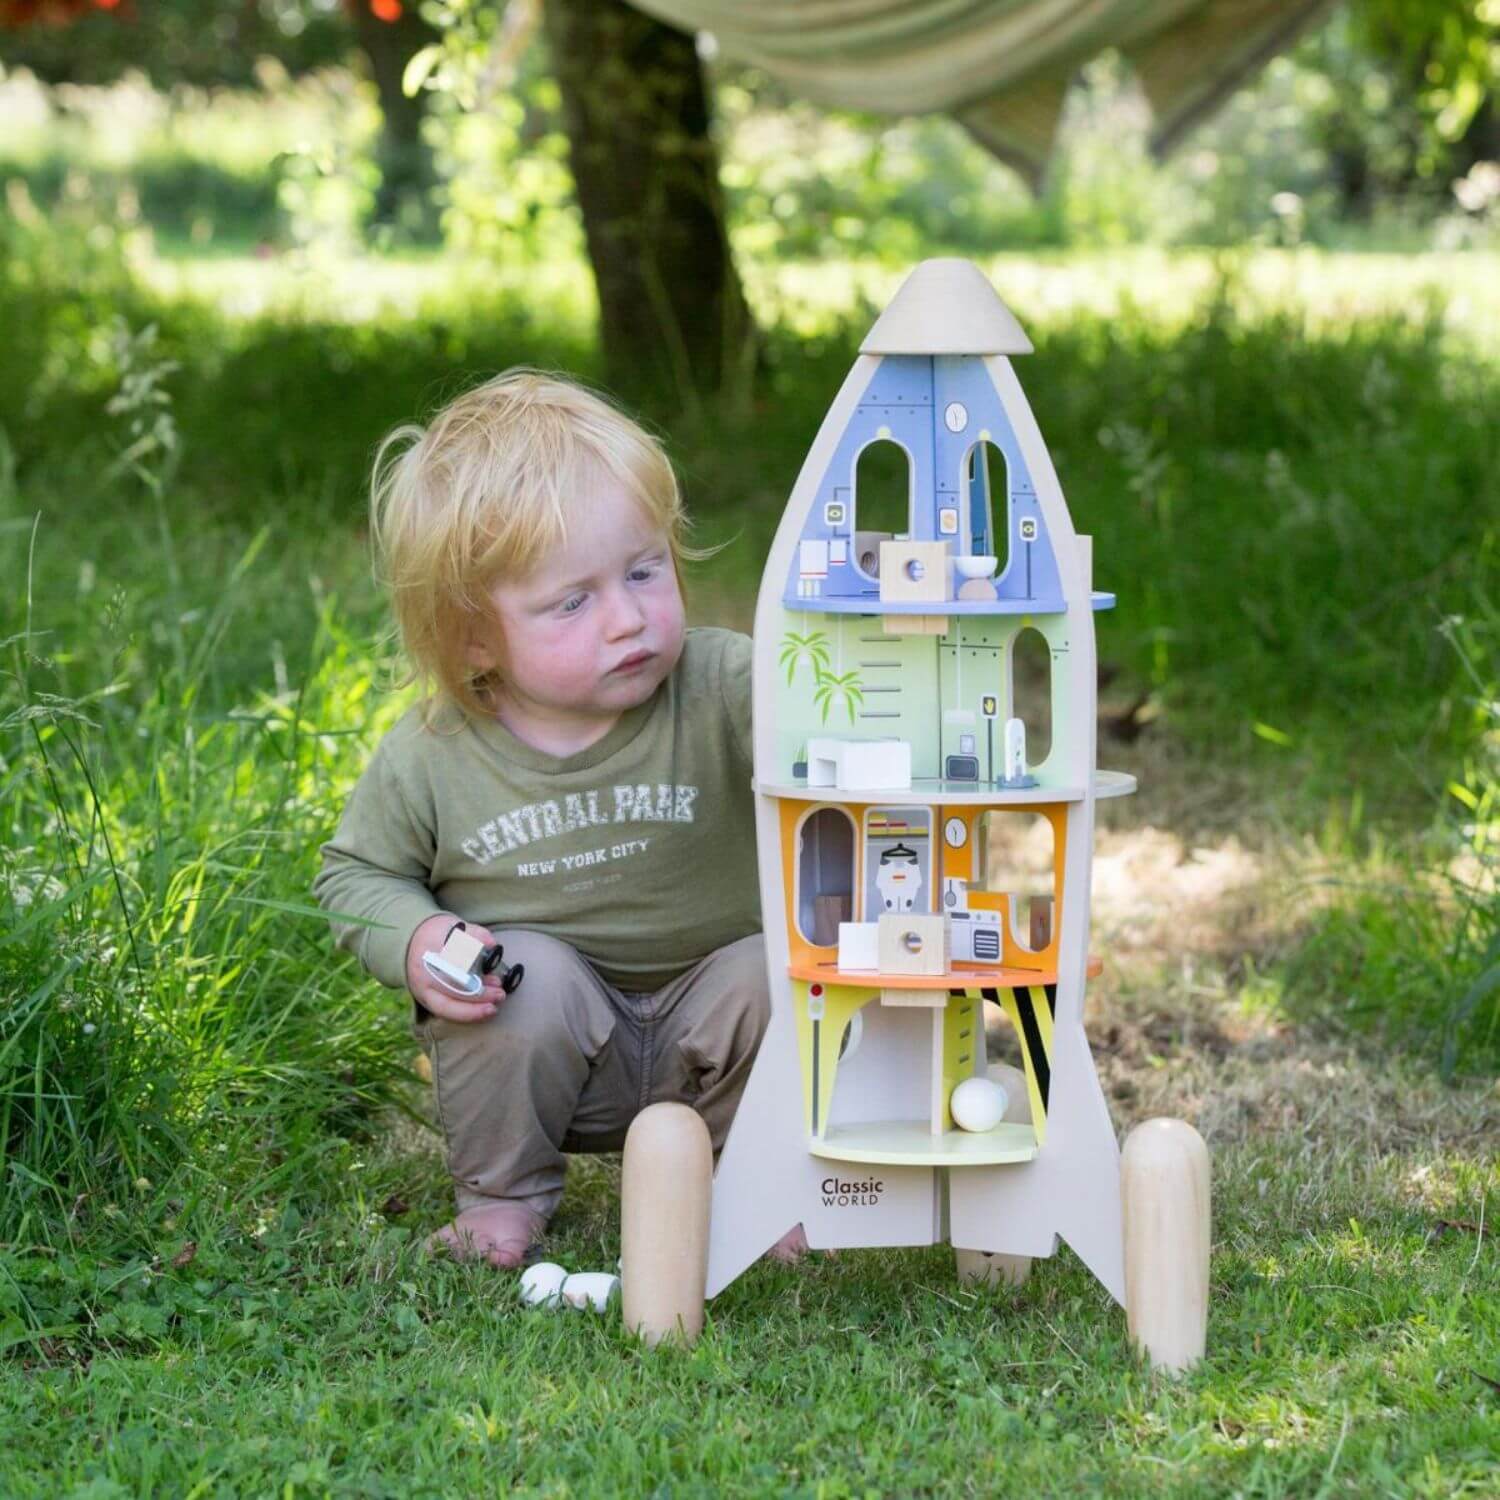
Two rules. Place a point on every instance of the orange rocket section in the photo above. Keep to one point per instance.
(1019, 963)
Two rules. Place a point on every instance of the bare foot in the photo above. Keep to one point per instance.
(500, 1232)
(791, 1247)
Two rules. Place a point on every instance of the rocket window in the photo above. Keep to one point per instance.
(988, 486)
(1031, 691)
(825, 875)
(882, 499)
(1018, 852)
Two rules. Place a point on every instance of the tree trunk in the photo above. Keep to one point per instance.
(673, 318)
(404, 198)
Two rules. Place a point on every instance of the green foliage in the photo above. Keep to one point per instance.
(1304, 449)
(293, 162)
(831, 690)
(288, 162)
(803, 182)
(181, 41)
(1401, 100)
(1408, 950)
(507, 192)
(171, 1013)
(62, 280)
(1442, 63)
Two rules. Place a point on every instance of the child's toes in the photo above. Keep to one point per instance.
(447, 1241)
(792, 1246)
(500, 1233)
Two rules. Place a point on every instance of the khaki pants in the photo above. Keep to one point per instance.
(567, 1062)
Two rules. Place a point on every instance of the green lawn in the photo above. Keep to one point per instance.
(208, 1275)
(1353, 1345)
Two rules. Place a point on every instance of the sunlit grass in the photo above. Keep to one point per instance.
(1325, 290)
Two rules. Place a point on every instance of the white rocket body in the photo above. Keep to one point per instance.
(768, 1178)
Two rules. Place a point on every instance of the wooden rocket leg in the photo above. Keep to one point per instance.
(667, 1179)
(979, 1266)
(1165, 1186)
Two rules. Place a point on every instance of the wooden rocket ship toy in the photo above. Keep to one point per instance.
(915, 862)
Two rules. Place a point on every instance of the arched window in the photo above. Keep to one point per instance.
(1031, 691)
(988, 507)
(882, 500)
(1018, 851)
(825, 875)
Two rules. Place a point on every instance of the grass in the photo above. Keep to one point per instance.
(1354, 1327)
(215, 1171)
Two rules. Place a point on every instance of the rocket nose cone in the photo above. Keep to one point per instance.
(946, 306)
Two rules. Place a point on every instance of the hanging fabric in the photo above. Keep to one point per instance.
(1001, 67)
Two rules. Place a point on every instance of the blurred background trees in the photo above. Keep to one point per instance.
(1404, 100)
(472, 123)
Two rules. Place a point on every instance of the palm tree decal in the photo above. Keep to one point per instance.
(811, 648)
(834, 689)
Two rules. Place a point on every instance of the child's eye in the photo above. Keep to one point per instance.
(642, 571)
(571, 605)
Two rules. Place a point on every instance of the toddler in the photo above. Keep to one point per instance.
(573, 783)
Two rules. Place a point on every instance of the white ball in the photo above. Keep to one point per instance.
(541, 1284)
(590, 1289)
(978, 1104)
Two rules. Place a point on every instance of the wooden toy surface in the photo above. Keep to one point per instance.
(855, 1067)
(926, 791)
(947, 305)
(833, 606)
(911, 1143)
(958, 977)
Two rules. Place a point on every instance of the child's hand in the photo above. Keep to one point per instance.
(431, 936)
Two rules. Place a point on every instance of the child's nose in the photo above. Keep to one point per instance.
(626, 617)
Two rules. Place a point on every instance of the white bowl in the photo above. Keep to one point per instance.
(975, 567)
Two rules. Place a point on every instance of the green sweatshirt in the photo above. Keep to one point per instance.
(639, 851)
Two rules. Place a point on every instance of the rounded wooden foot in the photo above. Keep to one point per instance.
(979, 1266)
(666, 1182)
(1164, 1181)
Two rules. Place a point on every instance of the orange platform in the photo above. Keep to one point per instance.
(969, 977)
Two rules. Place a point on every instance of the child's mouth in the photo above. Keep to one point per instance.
(631, 663)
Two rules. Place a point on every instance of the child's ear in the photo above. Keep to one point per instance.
(480, 644)
(478, 655)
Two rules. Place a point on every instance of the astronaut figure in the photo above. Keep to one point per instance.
(899, 878)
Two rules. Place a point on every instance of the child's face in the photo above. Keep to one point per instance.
(595, 628)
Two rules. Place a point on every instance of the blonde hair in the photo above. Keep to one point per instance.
(485, 491)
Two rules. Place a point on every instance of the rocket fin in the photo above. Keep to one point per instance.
(1071, 1189)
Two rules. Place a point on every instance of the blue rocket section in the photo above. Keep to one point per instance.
(1030, 580)
(935, 408)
